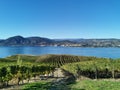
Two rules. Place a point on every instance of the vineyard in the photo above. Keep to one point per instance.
(24, 67)
(104, 68)
(53, 60)
(18, 71)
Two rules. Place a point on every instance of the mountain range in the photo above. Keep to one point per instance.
(41, 41)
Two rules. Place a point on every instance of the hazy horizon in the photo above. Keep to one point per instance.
(56, 38)
(60, 18)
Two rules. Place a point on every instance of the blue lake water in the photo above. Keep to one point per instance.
(98, 52)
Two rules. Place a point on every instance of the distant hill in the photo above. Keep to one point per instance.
(41, 41)
(32, 41)
(19, 40)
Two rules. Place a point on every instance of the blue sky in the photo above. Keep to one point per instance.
(60, 18)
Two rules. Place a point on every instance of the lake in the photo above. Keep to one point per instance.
(36, 50)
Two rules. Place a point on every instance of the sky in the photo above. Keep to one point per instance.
(60, 18)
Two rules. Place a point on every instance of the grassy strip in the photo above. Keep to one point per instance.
(43, 85)
(95, 85)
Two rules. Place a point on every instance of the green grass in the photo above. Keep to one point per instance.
(43, 85)
(79, 85)
(95, 85)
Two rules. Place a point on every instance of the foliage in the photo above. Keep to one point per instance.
(22, 71)
(32, 66)
(104, 68)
